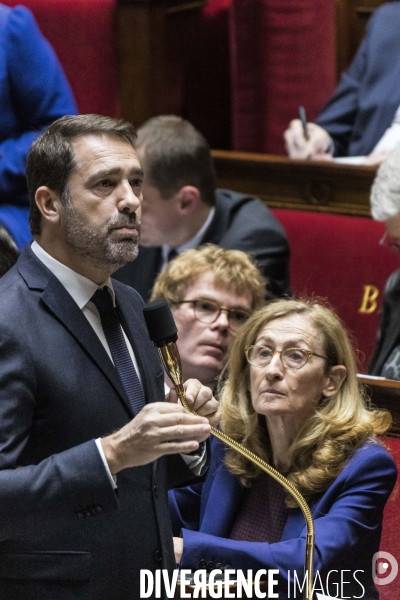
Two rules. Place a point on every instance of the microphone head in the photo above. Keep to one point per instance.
(160, 323)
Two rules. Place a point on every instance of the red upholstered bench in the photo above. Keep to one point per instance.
(338, 257)
(390, 541)
(82, 33)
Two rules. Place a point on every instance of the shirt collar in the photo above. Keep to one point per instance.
(78, 286)
(193, 242)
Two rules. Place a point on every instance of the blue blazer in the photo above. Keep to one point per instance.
(347, 517)
(64, 532)
(34, 92)
(368, 94)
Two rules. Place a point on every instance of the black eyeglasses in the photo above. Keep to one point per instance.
(391, 242)
(292, 358)
(208, 311)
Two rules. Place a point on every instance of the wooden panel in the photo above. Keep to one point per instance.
(384, 393)
(151, 50)
(297, 184)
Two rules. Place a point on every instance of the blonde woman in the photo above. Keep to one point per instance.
(292, 397)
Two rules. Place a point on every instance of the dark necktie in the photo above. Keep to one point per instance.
(118, 348)
(172, 254)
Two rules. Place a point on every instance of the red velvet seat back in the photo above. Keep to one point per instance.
(282, 56)
(83, 37)
(390, 541)
(335, 257)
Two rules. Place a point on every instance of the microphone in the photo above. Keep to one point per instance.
(163, 333)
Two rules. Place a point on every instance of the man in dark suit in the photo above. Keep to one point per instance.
(88, 448)
(366, 102)
(385, 206)
(182, 209)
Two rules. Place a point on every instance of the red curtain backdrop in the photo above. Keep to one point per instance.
(82, 33)
(282, 56)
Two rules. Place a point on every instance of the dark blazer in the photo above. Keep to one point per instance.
(240, 222)
(33, 93)
(347, 519)
(64, 532)
(389, 331)
(368, 94)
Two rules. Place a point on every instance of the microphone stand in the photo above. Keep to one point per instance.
(170, 358)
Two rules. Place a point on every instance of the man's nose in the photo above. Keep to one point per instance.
(128, 199)
(223, 319)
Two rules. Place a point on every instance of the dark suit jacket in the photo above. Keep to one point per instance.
(389, 332)
(368, 94)
(240, 222)
(64, 533)
(347, 519)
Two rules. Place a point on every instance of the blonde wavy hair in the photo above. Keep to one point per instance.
(233, 270)
(341, 423)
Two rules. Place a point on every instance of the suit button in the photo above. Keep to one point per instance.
(228, 567)
(203, 563)
(155, 490)
(219, 566)
(96, 510)
(210, 565)
(87, 513)
(158, 556)
(79, 515)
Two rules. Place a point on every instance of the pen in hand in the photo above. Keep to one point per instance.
(303, 119)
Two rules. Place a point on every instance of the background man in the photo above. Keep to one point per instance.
(182, 209)
(363, 116)
(385, 206)
(212, 292)
(81, 383)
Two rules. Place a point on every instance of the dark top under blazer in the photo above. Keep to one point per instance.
(368, 94)
(389, 332)
(241, 223)
(64, 532)
(347, 519)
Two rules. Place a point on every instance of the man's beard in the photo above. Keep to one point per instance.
(97, 244)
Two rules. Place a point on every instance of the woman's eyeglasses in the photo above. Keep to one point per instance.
(291, 358)
(208, 311)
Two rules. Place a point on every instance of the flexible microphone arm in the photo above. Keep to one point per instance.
(163, 333)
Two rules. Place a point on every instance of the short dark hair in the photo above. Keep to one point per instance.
(51, 158)
(8, 252)
(176, 154)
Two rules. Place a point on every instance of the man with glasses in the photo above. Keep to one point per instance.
(212, 292)
(385, 206)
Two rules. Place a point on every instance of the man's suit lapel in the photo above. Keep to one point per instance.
(59, 302)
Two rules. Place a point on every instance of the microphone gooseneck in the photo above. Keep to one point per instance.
(163, 333)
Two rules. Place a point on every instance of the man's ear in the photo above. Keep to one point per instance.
(188, 199)
(48, 202)
(335, 378)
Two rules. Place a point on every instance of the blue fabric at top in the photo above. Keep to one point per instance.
(33, 93)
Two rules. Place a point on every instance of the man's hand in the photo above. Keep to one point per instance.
(201, 399)
(178, 549)
(316, 147)
(160, 428)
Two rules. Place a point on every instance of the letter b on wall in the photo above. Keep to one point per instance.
(369, 300)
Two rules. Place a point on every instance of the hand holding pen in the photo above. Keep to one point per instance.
(305, 140)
